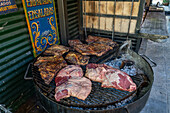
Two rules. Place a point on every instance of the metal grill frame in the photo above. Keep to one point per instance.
(49, 91)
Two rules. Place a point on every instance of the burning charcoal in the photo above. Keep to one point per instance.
(130, 70)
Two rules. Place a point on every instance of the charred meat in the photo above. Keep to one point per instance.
(99, 49)
(74, 42)
(49, 66)
(56, 50)
(101, 40)
(77, 58)
(110, 77)
(84, 49)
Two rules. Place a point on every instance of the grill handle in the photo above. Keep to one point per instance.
(145, 57)
(26, 73)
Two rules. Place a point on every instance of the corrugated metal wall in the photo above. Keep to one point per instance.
(15, 54)
(73, 18)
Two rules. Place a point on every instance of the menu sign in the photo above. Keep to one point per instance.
(7, 6)
(42, 24)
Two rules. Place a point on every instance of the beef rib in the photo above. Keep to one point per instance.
(110, 77)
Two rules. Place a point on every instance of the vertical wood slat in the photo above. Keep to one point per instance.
(123, 8)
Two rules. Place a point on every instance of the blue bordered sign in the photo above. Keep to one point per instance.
(42, 24)
(7, 6)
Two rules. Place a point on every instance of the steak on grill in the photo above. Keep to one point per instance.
(110, 77)
(74, 42)
(84, 49)
(77, 87)
(70, 71)
(49, 66)
(101, 40)
(70, 82)
(99, 49)
(77, 58)
(56, 50)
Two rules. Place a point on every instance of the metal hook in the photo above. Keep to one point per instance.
(126, 44)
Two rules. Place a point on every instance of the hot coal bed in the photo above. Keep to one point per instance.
(100, 100)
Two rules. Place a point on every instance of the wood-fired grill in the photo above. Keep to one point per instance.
(99, 97)
(101, 100)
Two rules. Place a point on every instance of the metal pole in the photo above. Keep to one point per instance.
(99, 20)
(85, 29)
(62, 20)
(113, 32)
(130, 20)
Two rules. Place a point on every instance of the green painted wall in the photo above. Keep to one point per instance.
(15, 55)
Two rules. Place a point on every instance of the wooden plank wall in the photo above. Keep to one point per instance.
(102, 19)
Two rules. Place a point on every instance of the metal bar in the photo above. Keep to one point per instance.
(73, 30)
(73, 13)
(26, 73)
(85, 20)
(73, 26)
(71, 4)
(130, 19)
(138, 43)
(71, 9)
(109, 15)
(113, 32)
(99, 19)
(73, 22)
(4, 109)
(62, 20)
(73, 18)
(140, 13)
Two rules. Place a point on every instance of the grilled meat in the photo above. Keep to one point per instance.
(76, 87)
(96, 72)
(119, 80)
(70, 71)
(56, 50)
(74, 42)
(49, 66)
(101, 40)
(110, 77)
(84, 49)
(77, 58)
(99, 49)
(70, 82)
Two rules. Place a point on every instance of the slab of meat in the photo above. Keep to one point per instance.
(74, 42)
(99, 49)
(70, 71)
(70, 82)
(96, 72)
(119, 80)
(84, 49)
(110, 77)
(76, 87)
(77, 58)
(49, 66)
(56, 50)
(101, 40)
